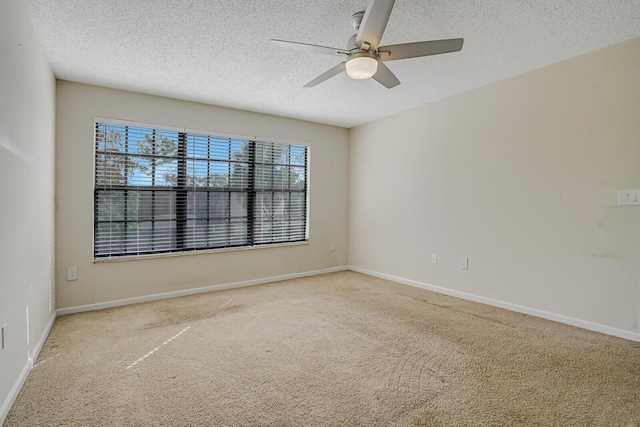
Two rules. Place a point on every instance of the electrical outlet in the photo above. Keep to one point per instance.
(464, 263)
(434, 258)
(333, 246)
(72, 273)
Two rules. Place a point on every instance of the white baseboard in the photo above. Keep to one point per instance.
(174, 294)
(33, 356)
(584, 324)
(24, 374)
(15, 390)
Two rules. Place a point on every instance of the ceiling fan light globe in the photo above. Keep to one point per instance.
(362, 67)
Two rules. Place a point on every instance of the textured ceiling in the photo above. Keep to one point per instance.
(217, 52)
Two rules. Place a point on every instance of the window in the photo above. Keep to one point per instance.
(161, 191)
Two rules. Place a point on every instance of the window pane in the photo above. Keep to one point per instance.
(114, 169)
(264, 152)
(239, 179)
(240, 150)
(298, 155)
(238, 205)
(238, 232)
(263, 176)
(297, 178)
(218, 204)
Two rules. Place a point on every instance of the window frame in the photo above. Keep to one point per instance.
(186, 192)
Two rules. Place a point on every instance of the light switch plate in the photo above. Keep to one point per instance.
(628, 197)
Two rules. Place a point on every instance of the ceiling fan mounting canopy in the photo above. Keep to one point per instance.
(364, 56)
(356, 20)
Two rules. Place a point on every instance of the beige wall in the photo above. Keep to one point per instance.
(27, 118)
(521, 177)
(78, 104)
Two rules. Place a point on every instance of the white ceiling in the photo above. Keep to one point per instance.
(217, 52)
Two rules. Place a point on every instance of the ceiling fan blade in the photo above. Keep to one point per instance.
(374, 22)
(305, 47)
(385, 77)
(331, 72)
(413, 50)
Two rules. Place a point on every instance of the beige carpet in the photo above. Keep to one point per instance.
(339, 349)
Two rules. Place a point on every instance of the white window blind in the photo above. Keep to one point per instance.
(159, 191)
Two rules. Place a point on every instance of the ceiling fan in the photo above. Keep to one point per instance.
(364, 56)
